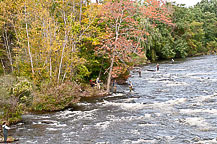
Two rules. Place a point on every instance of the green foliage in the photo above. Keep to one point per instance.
(56, 98)
(81, 72)
(22, 90)
(212, 46)
(181, 48)
(139, 60)
(11, 107)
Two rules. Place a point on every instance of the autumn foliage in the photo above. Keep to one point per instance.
(124, 22)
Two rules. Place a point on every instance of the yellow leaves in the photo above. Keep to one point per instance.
(55, 33)
(95, 42)
(86, 20)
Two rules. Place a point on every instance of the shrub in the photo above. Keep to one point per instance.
(53, 98)
(14, 94)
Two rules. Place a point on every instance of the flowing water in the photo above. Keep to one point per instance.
(176, 105)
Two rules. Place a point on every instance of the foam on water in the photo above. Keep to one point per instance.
(83, 104)
(197, 121)
(117, 94)
(103, 142)
(52, 129)
(57, 124)
(168, 105)
(31, 142)
(66, 112)
(195, 74)
(134, 131)
(204, 98)
(68, 134)
(191, 111)
(213, 141)
(103, 125)
(85, 127)
(125, 106)
(177, 69)
(213, 80)
(147, 125)
(86, 115)
(39, 122)
(142, 141)
(170, 84)
(128, 118)
(77, 115)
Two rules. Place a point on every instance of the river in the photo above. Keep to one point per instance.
(176, 105)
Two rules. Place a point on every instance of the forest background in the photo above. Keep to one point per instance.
(50, 50)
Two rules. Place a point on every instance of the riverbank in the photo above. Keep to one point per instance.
(19, 96)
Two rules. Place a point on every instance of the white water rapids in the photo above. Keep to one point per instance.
(176, 105)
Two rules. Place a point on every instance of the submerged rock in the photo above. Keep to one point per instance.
(196, 139)
(47, 122)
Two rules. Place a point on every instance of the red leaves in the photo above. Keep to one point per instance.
(118, 70)
(125, 26)
(156, 10)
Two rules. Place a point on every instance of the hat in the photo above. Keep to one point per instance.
(4, 122)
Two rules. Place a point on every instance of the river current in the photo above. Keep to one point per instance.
(176, 105)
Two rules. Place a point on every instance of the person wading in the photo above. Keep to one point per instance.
(140, 73)
(157, 67)
(114, 85)
(131, 86)
(172, 61)
(5, 131)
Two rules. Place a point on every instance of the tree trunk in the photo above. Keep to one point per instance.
(80, 11)
(64, 45)
(3, 66)
(110, 74)
(29, 50)
(9, 55)
(113, 56)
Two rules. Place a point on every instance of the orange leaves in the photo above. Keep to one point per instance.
(156, 10)
(146, 33)
(125, 24)
(118, 70)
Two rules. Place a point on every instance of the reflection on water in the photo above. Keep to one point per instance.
(174, 105)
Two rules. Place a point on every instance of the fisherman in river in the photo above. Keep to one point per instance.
(140, 73)
(173, 61)
(114, 86)
(157, 67)
(5, 131)
(130, 86)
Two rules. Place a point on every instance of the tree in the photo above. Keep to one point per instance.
(124, 23)
(49, 35)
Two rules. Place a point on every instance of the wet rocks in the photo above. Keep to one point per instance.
(196, 139)
(47, 122)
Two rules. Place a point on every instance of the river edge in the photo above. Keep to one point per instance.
(89, 93)
(136, 77)
(7, 111)
(85, 93)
